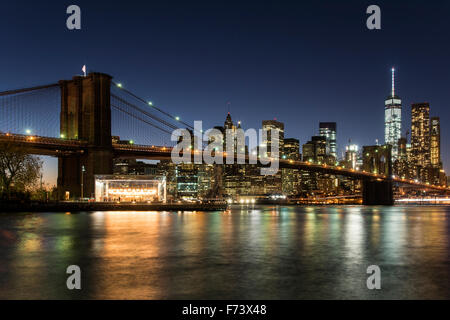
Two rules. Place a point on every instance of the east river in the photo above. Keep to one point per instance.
(261, 252)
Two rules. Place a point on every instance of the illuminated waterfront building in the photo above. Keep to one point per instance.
(268, 125)
(328, 130)
(351, 156)
(435, 152)
(393, 119)
(435, 143)
(314, 151)
(238, 180)
(290, 177)
(133, 167)
(420, 141)
(273, 183)
(401, 167)
(130, 188)
(187, 181)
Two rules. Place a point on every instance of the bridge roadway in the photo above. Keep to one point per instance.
(59, 147)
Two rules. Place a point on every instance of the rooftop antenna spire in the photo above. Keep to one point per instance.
(393, 81)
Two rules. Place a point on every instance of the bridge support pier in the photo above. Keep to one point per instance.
(86, 116)
(378, 192)
(71, 175)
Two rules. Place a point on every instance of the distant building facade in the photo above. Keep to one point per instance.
(328, 130)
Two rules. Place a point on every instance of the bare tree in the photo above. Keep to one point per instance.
(18, 170)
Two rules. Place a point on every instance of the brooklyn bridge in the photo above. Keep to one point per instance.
(83, 115)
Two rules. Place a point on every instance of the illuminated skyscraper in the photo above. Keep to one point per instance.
(393, 119)
(268, 125)
(351, 156)
(435, 144)
(290, 177)
(328, 130)
(420, 140)
(291, 149)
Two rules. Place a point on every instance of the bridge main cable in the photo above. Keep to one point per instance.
(17, 91)
(158, 119)
(139, 118)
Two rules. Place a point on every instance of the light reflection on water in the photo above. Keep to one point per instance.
(265, 252)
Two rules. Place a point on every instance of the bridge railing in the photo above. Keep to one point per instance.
(39, 139)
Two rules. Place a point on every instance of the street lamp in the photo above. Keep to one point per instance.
(83, 170)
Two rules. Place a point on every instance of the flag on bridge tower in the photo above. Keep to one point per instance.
(84, 70)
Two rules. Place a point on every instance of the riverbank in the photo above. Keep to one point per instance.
(106, 206)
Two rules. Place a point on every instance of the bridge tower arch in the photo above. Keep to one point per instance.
(86, 116)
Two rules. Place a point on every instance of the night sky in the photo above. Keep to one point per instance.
(299, 61)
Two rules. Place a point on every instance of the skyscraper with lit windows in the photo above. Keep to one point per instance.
(420, 140)
(393, 119)
(328, 130)
(278, 127)
(435, 143)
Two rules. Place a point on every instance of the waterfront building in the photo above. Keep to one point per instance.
(268, 125)
(130, 188)
(435, 143)
(315, 151)
(351, 156)
(420, 141)
(435, 150)
(401, 166)
(290, 177)
(328, 130)
(133, 167)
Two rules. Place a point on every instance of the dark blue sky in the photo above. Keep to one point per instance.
(299, 61)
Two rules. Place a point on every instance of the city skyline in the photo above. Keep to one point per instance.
(237, 150)
(290, 67)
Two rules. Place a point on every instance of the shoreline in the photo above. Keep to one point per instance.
(100, 206)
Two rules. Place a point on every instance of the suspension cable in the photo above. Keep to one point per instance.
(155, 107)
(10, 92)
(140, 119)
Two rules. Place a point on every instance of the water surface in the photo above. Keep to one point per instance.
(265, 252)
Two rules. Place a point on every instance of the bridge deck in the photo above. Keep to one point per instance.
(65, 147)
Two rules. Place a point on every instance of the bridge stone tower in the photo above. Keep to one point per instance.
(86, 116)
